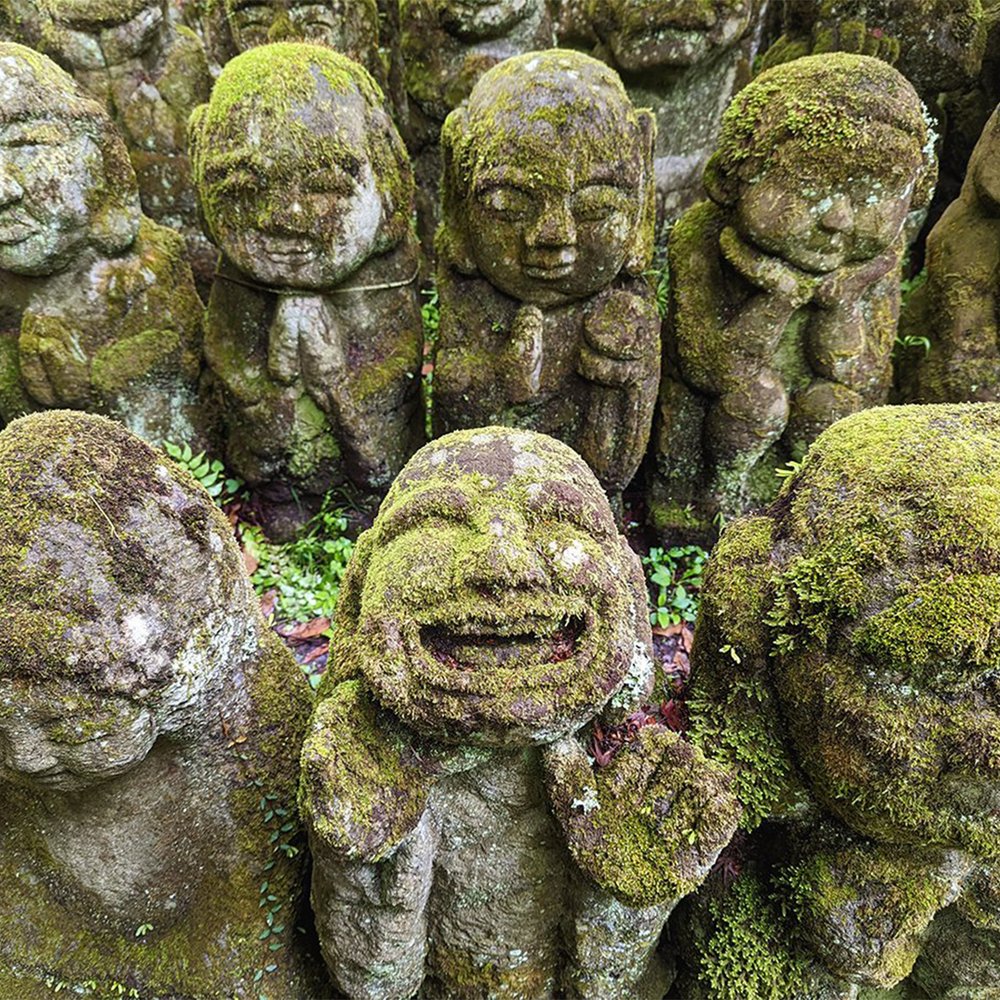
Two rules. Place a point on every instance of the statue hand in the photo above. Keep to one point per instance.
(649, 825)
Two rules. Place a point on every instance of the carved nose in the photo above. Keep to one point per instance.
(555, 227)
(10, 188)
(839, 217)
(504, 556)
(289, 217)
(27, 753)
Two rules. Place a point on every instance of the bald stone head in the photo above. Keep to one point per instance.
(66, 183)
(548, 179)
(493, 599)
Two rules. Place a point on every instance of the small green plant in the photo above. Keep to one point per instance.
(142, 930)
(659, 276)
(676, 576)
(788, 470)
(210, 472)
(731, 651)
(911, 341)
(430, 313)
(306, 572)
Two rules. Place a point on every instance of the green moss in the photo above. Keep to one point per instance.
(363, 786)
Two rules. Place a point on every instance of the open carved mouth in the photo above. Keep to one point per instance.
(527, 645)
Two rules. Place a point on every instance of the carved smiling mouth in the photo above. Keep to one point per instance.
(15, 230)
(484, 646)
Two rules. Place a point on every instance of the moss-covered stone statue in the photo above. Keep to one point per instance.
(845, 665)
(150, 72)
(445, 47)
(936, 44)
(685, 60)
(150, 725)
(547, 321)
(461, 837)
(349, 26)
(98, 310)
(784, 292)
(958, 308)
(313, 329)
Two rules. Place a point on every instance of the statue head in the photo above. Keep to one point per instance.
(301, 175)
(66, 182)
(820, 160)
(647, 34)
(89, 34)
(348, 26)
(493, 600)
(867, 600)
(124, 598)
(547, 190)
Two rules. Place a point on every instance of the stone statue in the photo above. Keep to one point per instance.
(98, 310)
(957, 309)
(845, 666)
(149, 724)
(936, 44)
(445, 47)
(785, 285)
(313, 330)
(685, 61)
(462, 838)
(348, 26)
(150, 72)
(546, 319)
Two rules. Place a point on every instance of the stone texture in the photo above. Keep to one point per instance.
(685, 61)
(148, 717)
(464, 843)
(98, 309)
(547, 321)
(845, 665)
(150, 72)
(784, 290)
(313, 330)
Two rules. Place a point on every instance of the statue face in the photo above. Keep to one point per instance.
(484, 18)
(320, 21)
(295, 217)
(497, 605)
(552, 236)
(49, 173)
(89, 38)
(57, 736)
(820, 227)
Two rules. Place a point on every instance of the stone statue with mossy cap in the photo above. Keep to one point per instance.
(149, 723)
(464, 843)
(784, 293)
(547, 320)
(314, 333)
(845, 666)
(98, 309)
(150, 72)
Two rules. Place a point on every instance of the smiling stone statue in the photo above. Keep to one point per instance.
(313, 331)
(546, 320)
(462, 838)
(784, 289)
(145, 708)
(98, 310)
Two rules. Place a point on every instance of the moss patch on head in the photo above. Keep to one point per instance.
(827, 117)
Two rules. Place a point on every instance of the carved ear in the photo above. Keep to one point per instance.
(196, 149)
(115, 224)
(395, 217)
(641, 249)
(341, 663)
(720, 185)
(452, 240)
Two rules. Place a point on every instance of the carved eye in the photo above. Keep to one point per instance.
(257, 17)
(508, 202)
(329, 181)
(597, 202)
(315, 17)
(240, 181)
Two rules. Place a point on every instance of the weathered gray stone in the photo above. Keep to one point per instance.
(148, 720)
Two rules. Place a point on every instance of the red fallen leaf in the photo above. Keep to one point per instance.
(316, 652)
(268, 602)
(687, 637)
(674, 715)
(426, 368)
(250, 561)
(305, 630)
